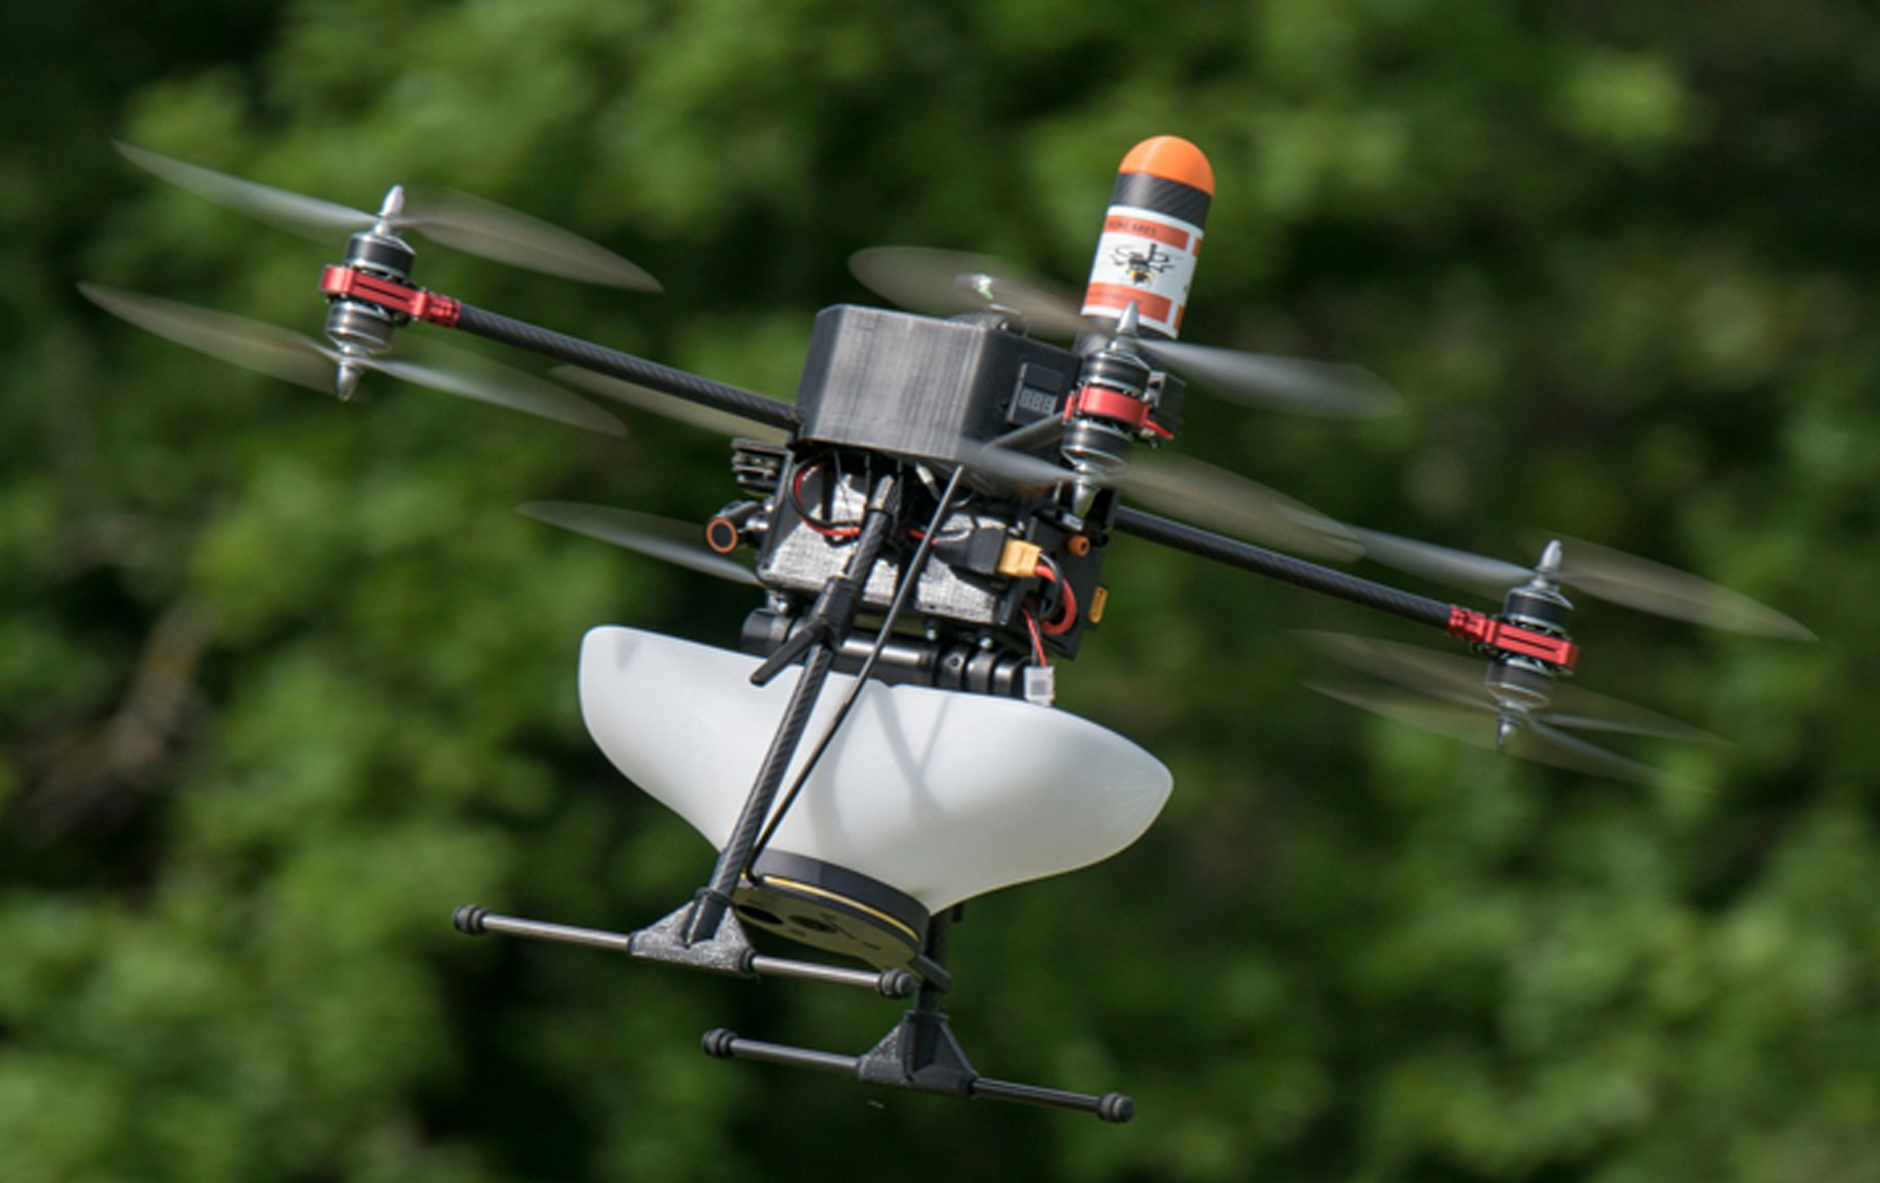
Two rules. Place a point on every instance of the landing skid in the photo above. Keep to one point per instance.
(919, 1053)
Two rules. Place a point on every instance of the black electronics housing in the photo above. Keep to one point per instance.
(914, 386)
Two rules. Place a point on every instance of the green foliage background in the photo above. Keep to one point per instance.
(282, 682)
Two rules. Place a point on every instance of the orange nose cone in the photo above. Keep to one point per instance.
(1173, 159)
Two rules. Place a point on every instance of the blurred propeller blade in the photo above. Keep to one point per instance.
(457, 220)
(1006, 466)
(516, 391)
(1542, 740)
(945, 283)
(661, 538)
(669, 406)
(1196, 492)
(1536, 740)
(246, 343)
(291, 211)
(1409, 666)
(1598, 571)
(1442, 564)
(1231, 504)
(1329, 389)
(1653, 587)
(303, 361)
(480, 227)
(1460, 681)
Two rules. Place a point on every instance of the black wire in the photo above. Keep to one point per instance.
(909, 577)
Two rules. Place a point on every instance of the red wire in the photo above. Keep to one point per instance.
(1037, 642)
(1067, 608)
(796, 497)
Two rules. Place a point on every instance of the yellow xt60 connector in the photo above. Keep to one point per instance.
(1019, 560)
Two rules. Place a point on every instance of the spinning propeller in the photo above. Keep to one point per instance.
(379, 262)
(945, 283)
(1598, 571)
(1450, 695)
(299, 359)
(456, 220)
(1533, 713)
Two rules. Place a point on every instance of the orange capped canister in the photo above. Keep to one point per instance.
(1152, 234)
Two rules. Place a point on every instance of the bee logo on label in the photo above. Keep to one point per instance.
(1140, 267)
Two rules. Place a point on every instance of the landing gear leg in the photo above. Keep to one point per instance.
(921, 1053)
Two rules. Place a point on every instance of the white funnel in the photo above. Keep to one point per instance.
(940, 794)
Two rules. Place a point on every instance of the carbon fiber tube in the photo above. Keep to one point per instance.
(736, 854)
(889, 983)
(1111, 1107)
(725, 1045)
(541, 930)
(494, 326)
(1285, 568)
(731, 861)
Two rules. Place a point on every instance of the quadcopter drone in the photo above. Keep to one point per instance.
(928, 522)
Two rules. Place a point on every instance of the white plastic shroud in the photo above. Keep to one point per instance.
(940, 794)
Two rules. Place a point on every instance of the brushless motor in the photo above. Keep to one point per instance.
(360, 328)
